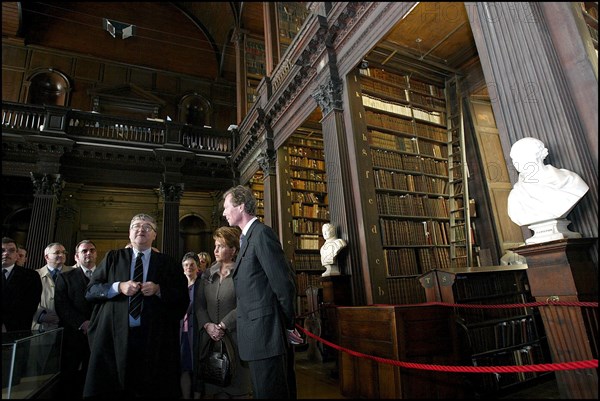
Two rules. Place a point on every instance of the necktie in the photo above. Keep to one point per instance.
(4, 277)
(54, 274)
(88, 274)
(242, 240)
(135, 303)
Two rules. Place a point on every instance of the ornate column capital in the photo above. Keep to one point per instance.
(267, 161)
(171, 192)
(329, 96)
(47, 184)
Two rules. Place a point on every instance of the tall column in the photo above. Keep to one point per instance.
(171, 194)
(46, 191)
(526, 75)
(339, 180)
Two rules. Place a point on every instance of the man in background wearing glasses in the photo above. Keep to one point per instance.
(134, 340)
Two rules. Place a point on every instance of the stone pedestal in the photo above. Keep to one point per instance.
(562, 270)
(551, 230)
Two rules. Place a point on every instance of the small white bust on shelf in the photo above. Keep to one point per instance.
(330, 250)
(544, 195)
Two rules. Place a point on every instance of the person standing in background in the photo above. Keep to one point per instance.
(21, 255)
(205, 262)
(45, 317)
(135, 353)
(187, 326)
(266, 292)
(216, 315)
(74, 312)
(21, 290)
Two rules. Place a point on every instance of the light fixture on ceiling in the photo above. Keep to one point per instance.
(118, 29)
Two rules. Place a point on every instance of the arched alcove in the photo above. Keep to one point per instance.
(48, 86)
(195, 235)
(195, 110)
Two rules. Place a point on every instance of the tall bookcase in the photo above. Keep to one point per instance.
(290, 17)
(258, 189)
(411, 146)
(305, 181)
(255, 57)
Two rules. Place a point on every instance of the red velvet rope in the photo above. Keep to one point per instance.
(542, 367)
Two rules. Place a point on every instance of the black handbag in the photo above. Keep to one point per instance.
(216, 367)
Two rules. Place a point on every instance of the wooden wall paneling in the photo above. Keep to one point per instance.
(11, 85)
(41, 59)
(168, 83)
(141, 77)
(87, 69)
(13, 56)
(114, 74)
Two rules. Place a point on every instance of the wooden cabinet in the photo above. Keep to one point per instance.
(493, 336)
(418, 334)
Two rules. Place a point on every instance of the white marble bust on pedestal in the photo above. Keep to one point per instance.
(330, 250)
(544, 195)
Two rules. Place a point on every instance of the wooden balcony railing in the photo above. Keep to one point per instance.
(78, 125)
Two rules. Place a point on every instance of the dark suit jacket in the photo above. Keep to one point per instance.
(20, 298)
(73, 309)
(266, 293)
(109, 326)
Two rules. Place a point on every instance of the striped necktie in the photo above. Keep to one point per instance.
(135, 303)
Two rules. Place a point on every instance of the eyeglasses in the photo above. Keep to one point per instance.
(145, 227)
(58, 253)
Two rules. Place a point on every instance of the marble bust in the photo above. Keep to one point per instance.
(330, 250)
(543, 192)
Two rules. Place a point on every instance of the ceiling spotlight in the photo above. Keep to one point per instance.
(364, 65)
(118, 29)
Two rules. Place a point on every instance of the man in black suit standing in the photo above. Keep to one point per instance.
(21, 294)
(135, 352)
(266, 292)
(74, 312)
(21, 290)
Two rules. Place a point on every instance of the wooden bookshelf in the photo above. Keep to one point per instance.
(290, 17)
(493, 336)
(258, 188)
(408, 138)
(303, 162)
(255, 61)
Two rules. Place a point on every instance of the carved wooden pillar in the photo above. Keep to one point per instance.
(46, 191)
(267, 162)
(340, 188)
(171, 194)
(563, 271)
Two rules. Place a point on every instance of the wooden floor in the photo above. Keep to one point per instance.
(318, 380)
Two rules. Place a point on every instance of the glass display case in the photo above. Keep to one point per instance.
(30, 362)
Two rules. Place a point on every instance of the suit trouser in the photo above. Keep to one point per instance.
(270, 377)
